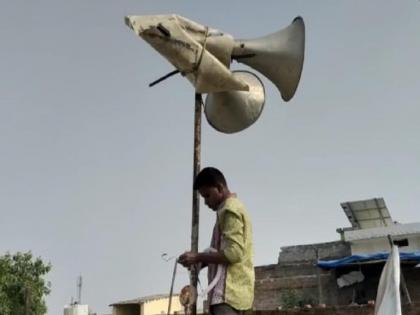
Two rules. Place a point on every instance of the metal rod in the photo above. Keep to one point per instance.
(79, 290)
(172, 287)
(164, 77)
(195, 197)
(405, 289)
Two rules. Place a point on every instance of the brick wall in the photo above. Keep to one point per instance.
(413, 309)
(276, 283)
(308, 284)
(296, 277)
(314, 252)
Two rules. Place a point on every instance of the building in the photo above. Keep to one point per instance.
(76, 309)
(371, 226)
(148, 305)
(344, 272)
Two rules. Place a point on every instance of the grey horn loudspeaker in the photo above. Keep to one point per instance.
(278, 56)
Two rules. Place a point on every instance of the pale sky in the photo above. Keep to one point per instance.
(96, 167)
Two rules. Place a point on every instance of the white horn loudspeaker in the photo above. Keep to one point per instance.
(279, 57)
(235, 99)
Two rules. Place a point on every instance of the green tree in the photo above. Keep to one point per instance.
(22, 286)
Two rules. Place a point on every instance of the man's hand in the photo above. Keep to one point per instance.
(188, 258)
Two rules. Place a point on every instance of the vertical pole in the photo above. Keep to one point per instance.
(195, 198)
(172, 287)
(79, 290)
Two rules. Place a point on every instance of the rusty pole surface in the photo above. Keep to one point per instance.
(195, 196)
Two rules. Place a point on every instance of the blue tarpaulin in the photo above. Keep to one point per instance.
(382, 256)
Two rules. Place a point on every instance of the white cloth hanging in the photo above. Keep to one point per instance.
(388, 298)
(217, 277)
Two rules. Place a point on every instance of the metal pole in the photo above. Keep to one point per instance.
(79, 290)
(195, 198)
(172, 287)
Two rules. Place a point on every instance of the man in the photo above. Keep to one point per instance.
(230, 262)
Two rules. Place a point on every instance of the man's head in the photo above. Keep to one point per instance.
(212, 186)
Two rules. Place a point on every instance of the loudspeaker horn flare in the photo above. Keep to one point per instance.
(234, 111)
(278, 56)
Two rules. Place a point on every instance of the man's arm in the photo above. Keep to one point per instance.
(189, 258)
(233, 236)
(233, 251)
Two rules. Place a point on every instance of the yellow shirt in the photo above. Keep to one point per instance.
(236, 234)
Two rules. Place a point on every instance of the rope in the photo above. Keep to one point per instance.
(200, 58)
(197, 65)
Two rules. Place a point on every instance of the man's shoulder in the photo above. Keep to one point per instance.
(233, 204)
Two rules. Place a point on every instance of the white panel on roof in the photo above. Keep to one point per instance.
(366, 214)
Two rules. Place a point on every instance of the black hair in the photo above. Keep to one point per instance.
(209, 176)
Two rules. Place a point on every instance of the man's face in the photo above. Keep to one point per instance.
(213, 196)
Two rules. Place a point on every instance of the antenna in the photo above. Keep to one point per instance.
(79, 289)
